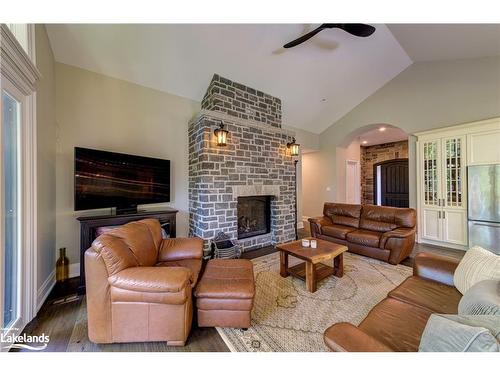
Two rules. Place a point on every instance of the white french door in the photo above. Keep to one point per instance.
(454, 201)
(431, 190)
(12, 256)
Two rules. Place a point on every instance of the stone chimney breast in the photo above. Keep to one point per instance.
(235, 99)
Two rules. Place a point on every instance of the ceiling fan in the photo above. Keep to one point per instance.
(356, 29)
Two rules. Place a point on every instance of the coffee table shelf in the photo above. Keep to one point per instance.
(322, 271)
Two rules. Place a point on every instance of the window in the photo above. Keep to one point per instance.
(18, 288)
(11, 119)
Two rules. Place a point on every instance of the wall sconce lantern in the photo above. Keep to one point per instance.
(293, 147)
(221, 135)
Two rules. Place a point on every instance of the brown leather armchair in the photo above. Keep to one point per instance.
(385, 233)
(139, 285)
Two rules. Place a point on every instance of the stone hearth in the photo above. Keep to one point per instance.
(255, 162)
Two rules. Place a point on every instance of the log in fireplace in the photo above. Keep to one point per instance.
(254, 216)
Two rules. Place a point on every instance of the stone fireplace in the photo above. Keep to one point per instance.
(244, 189)
(254, 216)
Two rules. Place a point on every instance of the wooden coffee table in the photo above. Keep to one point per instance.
(312, 270)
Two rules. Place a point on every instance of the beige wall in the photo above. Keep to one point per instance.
(426, 95)
(104, 113)
(46, 158)
(311, 169)
(308, 142)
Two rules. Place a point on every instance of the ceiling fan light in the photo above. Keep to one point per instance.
(357, 29)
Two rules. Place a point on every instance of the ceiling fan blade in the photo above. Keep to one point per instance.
(304, 37)
(357, 29)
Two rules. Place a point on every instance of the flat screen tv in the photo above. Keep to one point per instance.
(109, 179)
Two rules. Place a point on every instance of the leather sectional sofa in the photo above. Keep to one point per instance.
(385, 233)
(139, 285)
(397, 322)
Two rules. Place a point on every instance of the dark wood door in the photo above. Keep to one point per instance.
(393, 182)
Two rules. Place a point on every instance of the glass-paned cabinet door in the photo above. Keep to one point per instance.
(430, 173)
(454, 171)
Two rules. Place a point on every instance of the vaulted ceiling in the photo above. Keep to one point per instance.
(319, 81)
(431, 42)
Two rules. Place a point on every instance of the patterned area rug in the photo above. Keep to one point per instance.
(287, 318)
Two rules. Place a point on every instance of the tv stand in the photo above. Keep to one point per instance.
(90, 224)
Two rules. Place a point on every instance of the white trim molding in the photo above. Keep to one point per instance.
(50, 282)
(74, 270)
(45, 289)
(17, 66)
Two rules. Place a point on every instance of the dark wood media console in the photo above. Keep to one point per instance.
(90, 224)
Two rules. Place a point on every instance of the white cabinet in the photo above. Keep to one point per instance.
(442, 159)
(443, 205)
(455, 226)
(431, 224)
(484, 147)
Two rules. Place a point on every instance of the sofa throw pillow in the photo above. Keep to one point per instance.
(483, 298)
(453, 333)
(477, 265)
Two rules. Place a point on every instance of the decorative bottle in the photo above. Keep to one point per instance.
(62, 266)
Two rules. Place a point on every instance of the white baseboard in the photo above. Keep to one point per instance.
(74, 270)
(443, 244)
(45, 289)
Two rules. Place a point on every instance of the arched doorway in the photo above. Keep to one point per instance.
(372, 146)
(391, 183)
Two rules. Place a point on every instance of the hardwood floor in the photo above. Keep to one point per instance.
(421, 247)
(60, 323)
(59, 317)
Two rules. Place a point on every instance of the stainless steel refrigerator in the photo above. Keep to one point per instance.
(484, 206)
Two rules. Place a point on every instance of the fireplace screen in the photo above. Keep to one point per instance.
(254, 215)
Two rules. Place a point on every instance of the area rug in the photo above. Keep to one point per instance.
(287, 318)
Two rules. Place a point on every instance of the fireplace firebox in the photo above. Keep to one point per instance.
(254, 216)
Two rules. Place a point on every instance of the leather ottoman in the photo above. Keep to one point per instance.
(225, 293)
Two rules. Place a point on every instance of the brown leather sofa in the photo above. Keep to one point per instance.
(385, 233)
(397, 322)
(139, 285)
